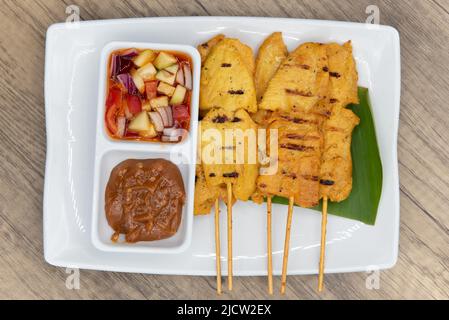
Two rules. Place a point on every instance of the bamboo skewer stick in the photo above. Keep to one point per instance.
(269, 247)
(229, 205)
(287, 245)
(217, 245)
(323, 245)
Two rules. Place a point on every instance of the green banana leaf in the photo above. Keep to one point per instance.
(364, 199)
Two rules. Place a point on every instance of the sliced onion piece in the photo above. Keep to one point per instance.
(170, 138)
(187, 75)
(128, 83)
(175, 134)
(121, 126)
(119, 65)
(173, 131)
(164, 116)
(169, 112)
(128, 114)
(180, 76)
(157, 121)
(130, 53)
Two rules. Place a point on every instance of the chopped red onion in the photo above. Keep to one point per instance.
(129, 54)
(120, 65)
(157, 121)
(169, 112)
(121, 126)
(180, 76)
(127, 81)
(187, 76)
(164, 116)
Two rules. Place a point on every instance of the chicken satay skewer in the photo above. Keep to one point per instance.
(323, 245)
(269, 247)
(287, 245)
(217, 245)
(229, 205)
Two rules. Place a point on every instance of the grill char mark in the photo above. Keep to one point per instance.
(220, 119)
(294, 136)
(327, 182)
(296, 147)
(231, 175)
(335, 74)
(298, 120)
(301, 93)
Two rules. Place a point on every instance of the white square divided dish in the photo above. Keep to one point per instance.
(71, 92)
(110, 152)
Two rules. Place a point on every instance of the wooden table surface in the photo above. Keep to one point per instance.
(422, 270)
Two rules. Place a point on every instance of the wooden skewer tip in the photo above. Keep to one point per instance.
(287, 245)
(323, 246)
(269, 247)
(217, 245)
(229, 205)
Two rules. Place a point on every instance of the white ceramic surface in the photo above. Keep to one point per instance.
(110, 152)
(71, 89)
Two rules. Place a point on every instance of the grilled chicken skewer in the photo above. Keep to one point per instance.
(336, 165)
(295, 95)
(227, 161)
(272, 53)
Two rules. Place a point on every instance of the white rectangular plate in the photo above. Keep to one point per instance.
(71, 88)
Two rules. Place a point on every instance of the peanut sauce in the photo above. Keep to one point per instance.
(144, 200)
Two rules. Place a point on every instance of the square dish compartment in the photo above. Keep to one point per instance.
(102, 232)
(103, 83)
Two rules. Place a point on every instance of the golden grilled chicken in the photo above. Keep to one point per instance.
(299, 157)
(246, 53)
(227, 78)
(336, 164)
(297, 94)
(300, 82)
(342, 75)
(206, 195)
(271, 54)
(231, 160)
(206, 47)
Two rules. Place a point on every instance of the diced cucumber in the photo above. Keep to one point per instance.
(147, 72)
(159, 102)
(173, 68)
(140, 123)
(144, 57)
(166, 89)
(164, 60)
(166, 77)
(178, 96)
(138, 81)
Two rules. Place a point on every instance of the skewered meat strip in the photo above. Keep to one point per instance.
(205, 195)
(336, 165)
(300, 82)
(342, 75)
(242, 174)
(297, 94)
(299, 154)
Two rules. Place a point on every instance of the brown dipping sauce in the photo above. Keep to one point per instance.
(144, 200)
